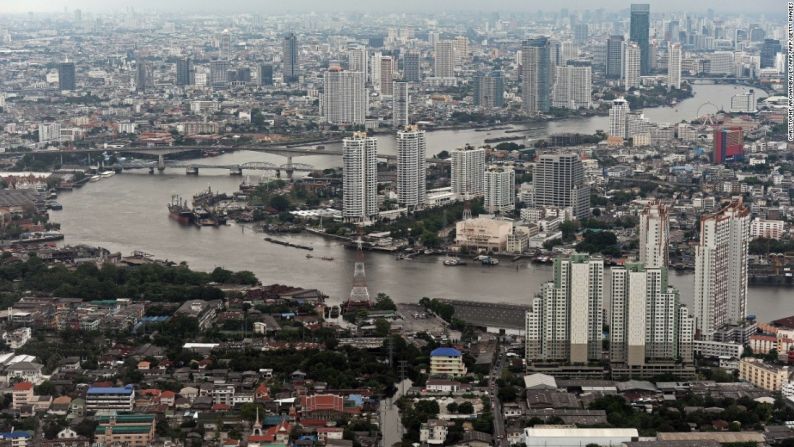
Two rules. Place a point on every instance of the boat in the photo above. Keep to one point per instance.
(288, 244)
(327, 258)
(53, 205)
(179, 211)
(487, 260)
(452, 262)
(309, 256)
(45, 236)
(94, 178)
(52, 195)
(106, 174)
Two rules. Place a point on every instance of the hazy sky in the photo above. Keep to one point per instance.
(263, 6)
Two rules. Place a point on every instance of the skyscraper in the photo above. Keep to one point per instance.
(411, 167)
(536, 74)
(489, 90)
(266, 74)
(631, 65)
(565, 322)
(411, 66)
(360, 177)
(357, 60)
(225, 45)
(674, 66)
(654, 235)
(618, 118)
(219, 73)
(386, 75)
(721, 268)
(143, 75)
(580, 31)
(573, 85)
(467, 172)
(769, 50)
(728, 144)
(344, 99)
(558, 180)
(647, 326)
(614, 65)
(500, 189)
(66, 78)
(184, 72)
(400, 104)
(444, 61)
(290, 58)
(461, 49)
(639, 32)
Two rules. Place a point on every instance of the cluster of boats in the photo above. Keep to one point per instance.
(99, 176)
(199, 216)
(482, 259)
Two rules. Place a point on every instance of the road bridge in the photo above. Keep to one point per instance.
(234, 169)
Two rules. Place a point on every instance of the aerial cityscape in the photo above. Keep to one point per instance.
(396, 224)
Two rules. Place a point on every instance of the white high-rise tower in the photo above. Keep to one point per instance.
(344, 99)
(467, 172)
(631, 65)
(400, 103)
(619, 118)
(654, 235)
(411, 167)
(674, 66)
(360, 177)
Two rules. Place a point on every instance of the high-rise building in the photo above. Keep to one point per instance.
(639, 32)
(219, 73)
(412, 66)
(49, 132)
(536, 75)
(386, 75)
(573, 85)
(728, 144)
(461, 49)
(647, 324)
(400, 104)
(769, 50)
(721, 268)
(266, 74)
(614, 64)
(225, 45)
(374, 72)
(358, 60)
(655, 235)
(184, 72)
(143, 75)
(580, 31)
(444, 61)
(411, 167)
(467, 172)
(631, 65)
(66, 78)
(674, 66)
(489, 90)
(344, 99)
(618, 118)
(558, 180)
(290, 58)
(500, 189)
(360, 177)
(565, 323)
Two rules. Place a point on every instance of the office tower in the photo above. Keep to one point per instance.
(386, 75)
(580, 31)
(489, 90)
(654, 235)
(411, 167)
(461, 49)
(219, 73)
(66, 78)
(374, 72)
(344, 99)
(242, 75)
(360, 177)
(357, 60)
(290, 58)
(769, 50)
(467, 172)
(618, 118)
(266, 74)
(500, 189)
(536, 74)
(653, 57)
(721, 268)
(444, 61)
(639, 32)
(674, 66)
(400, 103)
(558, 180)
(143, 75)
(631, 66)
(565, 323)
(728, 144)
(184, 72)
(573, 86)
(647, 324)
(614, 65)
(412, 66)
(225, 45)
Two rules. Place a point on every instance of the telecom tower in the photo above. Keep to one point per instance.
(359, 294)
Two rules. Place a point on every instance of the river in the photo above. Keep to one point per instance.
(127, 212)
